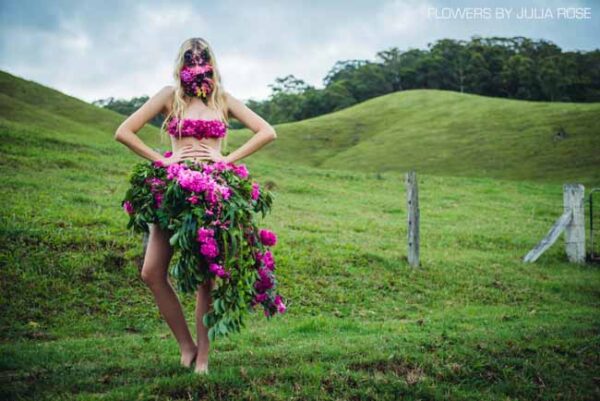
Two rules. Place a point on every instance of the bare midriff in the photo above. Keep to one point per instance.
(178, 143)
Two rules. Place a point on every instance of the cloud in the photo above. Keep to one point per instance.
(95, 50)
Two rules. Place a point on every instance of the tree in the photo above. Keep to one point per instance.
(391, 60)
(518, 77)
(477, 73)
(342, 70)
(453, 58)
(549, 77)
(288, 85)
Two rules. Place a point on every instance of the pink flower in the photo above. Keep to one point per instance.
(255, 190)
(218, 270)
(186, 74)
(268, 260)
(174, 169)
(193, 199)
(202, 182)
(261, 297)
(205, 234)
(194, 181)
(264, 282)
(281, 308)
(241, 170)
(259, 257)
(225, 192)
(155, 183)
(128, 207)
(158, 197)
(158, 163)
(220, 166)
(209, 249)
(198, 128)
(168, 153)
(268, 238)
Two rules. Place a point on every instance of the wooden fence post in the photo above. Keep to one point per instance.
(573, 199)
(571, 222)
(412, 198)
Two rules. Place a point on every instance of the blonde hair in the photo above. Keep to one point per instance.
(216, 100)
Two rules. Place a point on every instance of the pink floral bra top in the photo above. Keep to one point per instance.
(197, 128)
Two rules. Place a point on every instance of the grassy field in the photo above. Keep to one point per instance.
(473, 323)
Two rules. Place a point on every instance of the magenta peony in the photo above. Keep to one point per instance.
(255, 190)
(268, 238)
(219, 270)
(205, 234)
(268, 260)
(209, 249)
(128, 207)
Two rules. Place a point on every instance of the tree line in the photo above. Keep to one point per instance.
(515, 68)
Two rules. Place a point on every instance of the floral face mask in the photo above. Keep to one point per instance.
(197, 74)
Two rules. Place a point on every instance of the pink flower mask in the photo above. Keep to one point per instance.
(197, 74)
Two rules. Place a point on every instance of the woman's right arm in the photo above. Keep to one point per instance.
(127, 131)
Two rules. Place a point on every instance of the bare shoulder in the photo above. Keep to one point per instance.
(169, 89)
(230, 98)
(234, 105)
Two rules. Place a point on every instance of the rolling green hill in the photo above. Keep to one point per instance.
(449, 133)
(31, 106)
(473, 323)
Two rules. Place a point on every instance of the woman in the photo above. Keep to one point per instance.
(196, 110)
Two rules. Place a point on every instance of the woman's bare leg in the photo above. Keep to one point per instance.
(155, 275)
(203, 304)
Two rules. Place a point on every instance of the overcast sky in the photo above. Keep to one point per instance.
(98, 49)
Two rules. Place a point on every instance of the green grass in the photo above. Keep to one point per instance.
(473, 323)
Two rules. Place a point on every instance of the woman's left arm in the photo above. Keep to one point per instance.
(263, 131)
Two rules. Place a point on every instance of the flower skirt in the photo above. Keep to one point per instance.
(209, 210)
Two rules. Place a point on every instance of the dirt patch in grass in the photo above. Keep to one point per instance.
(411, 372)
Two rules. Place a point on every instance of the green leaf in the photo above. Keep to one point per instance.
(218, 304)
(222, 328)
(234, 243)
(174, 238)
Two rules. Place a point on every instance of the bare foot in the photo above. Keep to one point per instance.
(188, 357)
(201, 364)
(201, 369)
